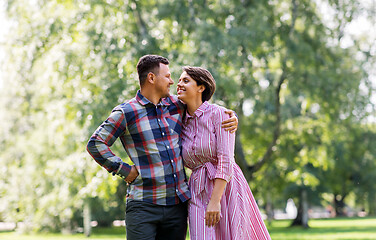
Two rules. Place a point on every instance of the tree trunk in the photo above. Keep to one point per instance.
(305, 208)
(269, 208)
(339, 205)
(240, 158)
(302, 217)
(87, 218)
(372, 203)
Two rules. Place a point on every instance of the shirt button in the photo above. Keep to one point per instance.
(163, 133)
(168, 146)
(172, 161)
(174, 175)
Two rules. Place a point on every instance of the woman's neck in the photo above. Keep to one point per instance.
(193, 105)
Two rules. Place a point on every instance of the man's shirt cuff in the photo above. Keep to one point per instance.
(124, 170)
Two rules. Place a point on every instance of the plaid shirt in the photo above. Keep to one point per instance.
(151, 135)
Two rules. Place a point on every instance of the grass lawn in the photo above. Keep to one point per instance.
(115, 233)
(328, 229)
(320, 229)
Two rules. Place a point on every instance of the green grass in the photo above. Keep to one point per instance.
(331, 229)
(320, 229)
(114, 233)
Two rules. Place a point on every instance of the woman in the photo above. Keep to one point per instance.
(222, 205)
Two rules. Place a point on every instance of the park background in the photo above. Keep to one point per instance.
(300, 74)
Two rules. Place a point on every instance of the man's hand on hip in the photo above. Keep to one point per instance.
(132, 175)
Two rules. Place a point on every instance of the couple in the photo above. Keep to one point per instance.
(158, 131)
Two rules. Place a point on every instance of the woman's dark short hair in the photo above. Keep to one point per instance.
(202, 77)
(147, 64)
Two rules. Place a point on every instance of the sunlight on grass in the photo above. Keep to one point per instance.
(114, 233)
(341, 228)
(320, 229)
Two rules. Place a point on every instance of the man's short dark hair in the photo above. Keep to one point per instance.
(147, 64)
(202, 77)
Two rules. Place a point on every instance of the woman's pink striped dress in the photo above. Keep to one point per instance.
(209, 151)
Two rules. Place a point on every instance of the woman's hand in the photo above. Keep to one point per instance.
(213, 210)
(213, 213)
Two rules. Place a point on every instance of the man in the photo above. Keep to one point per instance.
(149, 127)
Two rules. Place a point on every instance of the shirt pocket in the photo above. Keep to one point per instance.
(206, 141)
(174, 124)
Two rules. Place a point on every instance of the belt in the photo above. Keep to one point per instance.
(201, 178)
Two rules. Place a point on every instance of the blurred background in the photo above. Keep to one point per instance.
(300, 74)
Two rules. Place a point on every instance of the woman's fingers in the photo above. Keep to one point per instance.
(216, 218)
(207, 219)
(212, 218)
(213, 213)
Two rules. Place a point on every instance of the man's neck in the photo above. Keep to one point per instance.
(150, 95)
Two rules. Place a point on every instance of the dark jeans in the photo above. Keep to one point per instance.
(149, 221)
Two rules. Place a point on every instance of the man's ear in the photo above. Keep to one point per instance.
(150, 78)
(201, 88)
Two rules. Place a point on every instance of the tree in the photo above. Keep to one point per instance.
(276, 63)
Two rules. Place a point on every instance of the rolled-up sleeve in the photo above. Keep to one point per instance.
(225, 146)
(103, 138)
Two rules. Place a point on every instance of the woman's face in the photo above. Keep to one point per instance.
(187, 88)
